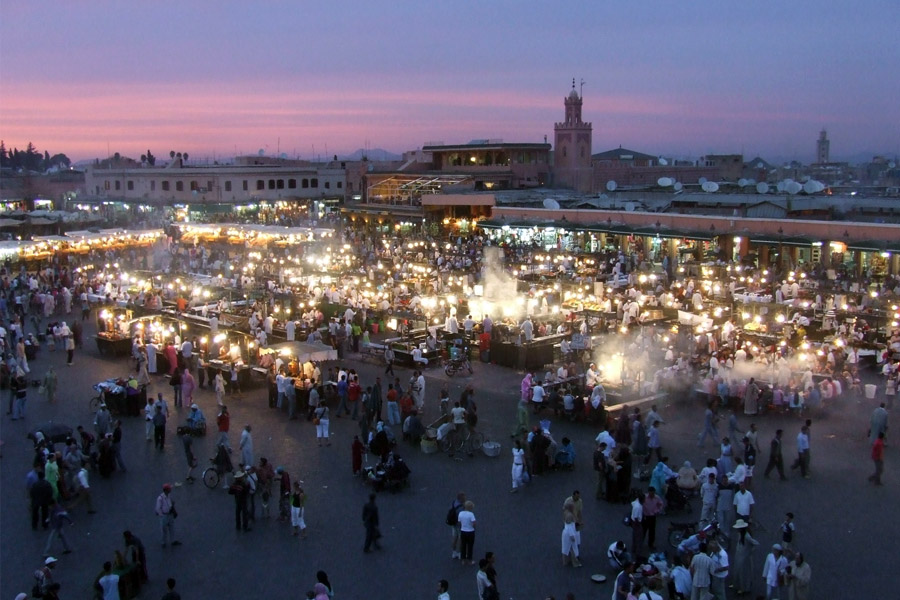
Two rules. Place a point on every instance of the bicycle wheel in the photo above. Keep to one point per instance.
(476, 441)
(94, 404)
(446, 443)
(211, 478)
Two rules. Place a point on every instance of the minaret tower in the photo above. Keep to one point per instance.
(572, 147)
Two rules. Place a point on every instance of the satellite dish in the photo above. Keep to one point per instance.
(611, 185)
(261, 152)
(762, 187)
(810, 187)
(664, 182)
(788, 180)
(603, 197)
(551, 204)
(805, 178)
(702, 180)
(892, 165)
(678, 186)
(742, 182)
(710, 187)
(821, 186)
(760, 165)
(780, 186)
(793, 188)
(663, 162)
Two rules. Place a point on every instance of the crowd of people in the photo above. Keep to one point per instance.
(738, 376)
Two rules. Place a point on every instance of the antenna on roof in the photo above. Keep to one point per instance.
(581, 89)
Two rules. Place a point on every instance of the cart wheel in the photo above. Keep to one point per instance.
(477, 441)
(211, 478)
(448, 371)
(95, 404)
(446, 443)
(675, 537)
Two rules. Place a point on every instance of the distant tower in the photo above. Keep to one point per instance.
(572, 147)
(823, 147)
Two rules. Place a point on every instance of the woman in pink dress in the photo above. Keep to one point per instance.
(187, 387)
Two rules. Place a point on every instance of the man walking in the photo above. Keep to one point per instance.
(709, 492)
(389, 359)
(246, 446)
(776, 460)
(709, 426)
(159, 428)
(84, 490)
(453, 523)
(878, 423)
(223, 422)
(41, 494)
(878, 459)
(370, 520)
(720, 570)
(58, 520)
(117, 446)
(241, 492)
(773, 572)
(743, 502)
(165, 510)
(702, 567)
(802, 452)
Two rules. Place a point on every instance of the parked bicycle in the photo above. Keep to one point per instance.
(462, 439)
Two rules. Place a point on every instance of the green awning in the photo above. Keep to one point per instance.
(775, 240)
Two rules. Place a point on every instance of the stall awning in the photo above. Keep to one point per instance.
(775, 240)
(602, 227)
(875, 246)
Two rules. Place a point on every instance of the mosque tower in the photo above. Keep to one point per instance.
(572, 147)
(823, 148)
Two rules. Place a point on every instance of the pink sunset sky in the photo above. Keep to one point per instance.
(215, 79)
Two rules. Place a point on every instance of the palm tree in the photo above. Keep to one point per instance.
(178, 156)
(172, 154)
(185, 156)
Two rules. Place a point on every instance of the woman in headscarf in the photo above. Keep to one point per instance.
(526, 386)
(356, 451)
(322, 579)
(380, 445)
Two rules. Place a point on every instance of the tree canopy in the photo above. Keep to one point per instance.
(31, 159)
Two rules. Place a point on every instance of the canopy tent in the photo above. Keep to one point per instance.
(303, 351)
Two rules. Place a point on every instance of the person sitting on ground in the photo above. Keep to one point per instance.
(691, 545)
(195, 419)
(618, 555)
(565, 456)
(688, 480)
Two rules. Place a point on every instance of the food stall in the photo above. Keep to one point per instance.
(114, 331)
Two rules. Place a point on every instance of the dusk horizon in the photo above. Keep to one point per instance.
(315, 81)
